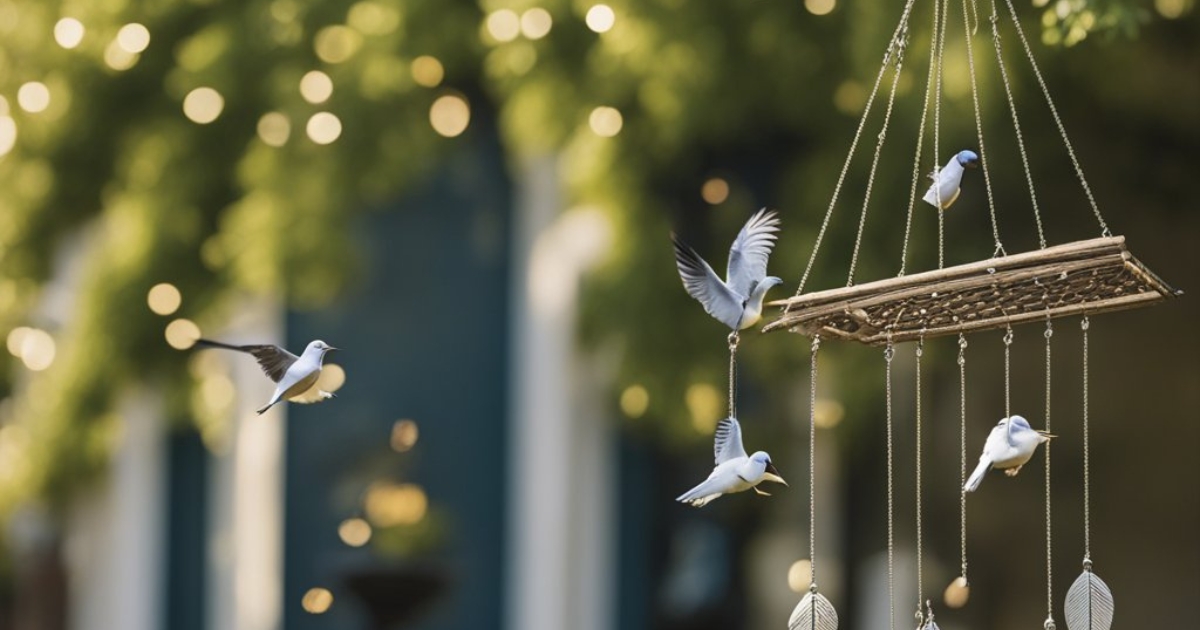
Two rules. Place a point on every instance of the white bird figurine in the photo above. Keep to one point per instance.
(946, 184)
(296, 376)
(735, 471)
(736, 302)
(1009, 446)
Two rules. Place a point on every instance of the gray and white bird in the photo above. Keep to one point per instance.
(735, 471)
(948, 181)
(1009, 446)
(295, 376)
(736, 301)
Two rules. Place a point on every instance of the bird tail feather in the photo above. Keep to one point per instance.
(977, 477)
(263, 409)
(208, 343)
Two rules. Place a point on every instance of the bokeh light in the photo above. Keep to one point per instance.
(820, 7)
(118, 58)
(449, 115)
(332, 378)
(355, 532)
(337, 43)
(957, 593)
(34, 347)
(14, 340)
(704, 403)
(404, 435)
(389, 504)
(8, 134)
(536, 23)
(373, 18)
(33, 97)
(133, 38)
(799, 576)
(606, 121)
(323, 128)
(828, 413)
(1173, 9)
(634, 401)
(600, 18)
(164, 298)
(427, 71)
(316, 87)
(504, 25)
(317, 600)
(68, 32)
(715, 190)
(274, 128)
(182, 334)
(203, 105)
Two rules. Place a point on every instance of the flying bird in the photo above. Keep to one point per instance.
(736, 301)
(296, 376)
(946, 183)
(1009, 446)
(734, 471)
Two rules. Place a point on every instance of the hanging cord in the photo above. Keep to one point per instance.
(1062, 130)
(1087, 471)
(1012, 108)
(733, 339)
(862, 122)
(937, 128)
(962, 443)
(935, 62)
(888, 354)
(1008, 339)
(1049, 624)
(812, 463)
(987, 180)
(920, 574)
(899, 44)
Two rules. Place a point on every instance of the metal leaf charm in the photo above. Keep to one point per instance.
(1089, 604)
(814, 612)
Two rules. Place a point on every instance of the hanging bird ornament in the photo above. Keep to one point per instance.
(1009, 446)
(735, 471)
(948, 181)
(296, 376)
(737, 301)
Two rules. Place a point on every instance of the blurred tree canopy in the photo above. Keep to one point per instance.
(223, 146)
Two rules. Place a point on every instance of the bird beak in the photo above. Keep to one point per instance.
(331, 349)
(1046, 435)
(772, 474)
(972, 164)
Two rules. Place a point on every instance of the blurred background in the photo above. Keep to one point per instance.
(472, 199)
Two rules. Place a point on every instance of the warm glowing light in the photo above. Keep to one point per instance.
(33, 97)
(323, 128)
(15, 338)
(1173, 9)
(799, 576)
(606, 121)
(957, 593)
(849, 97)
(164, 298)
(828, 413)
(133, 38)
(715, 190)
(404, 435)
(504, 25)
(634, 401)
(317, 600)
(68, 32)
(316, 87)
(8, 134)
(355, 532)
(274, 129)
(600, 18)
(337, 43)
(373, 18)
(36, 349)
(704, 403)
(182, 334)
(450, 115)
(118, 58)
(389, 505)
(203, 105)
(428, 71)
(332, 378)
(536, 23)
(820, 7)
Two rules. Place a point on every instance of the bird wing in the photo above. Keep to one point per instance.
(1008, 433)
(311, 395)
(750, 251)
(727, 442)
(274, 360)
(704, 285)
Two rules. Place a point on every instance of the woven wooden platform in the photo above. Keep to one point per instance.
(1081, 277)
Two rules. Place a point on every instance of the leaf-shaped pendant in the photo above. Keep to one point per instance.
(814, 612)
(1089, 604)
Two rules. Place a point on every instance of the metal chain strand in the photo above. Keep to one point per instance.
(1087, 476)
(1008, 339)
(1049, 551)
(1012, 108)
(937, 128)
(962, 443)
(1062, 130)
(888, 354)
(920, 574)
(987, 180)
(812, 461)
(734, 338)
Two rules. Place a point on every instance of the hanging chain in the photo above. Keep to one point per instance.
(1087, 471)
(962, 443)
(1008, 339)
(888, 354)
(862, 122)
(987, 180)
(937, 128)
(812, 462)
(1012, 108)
(734, 338)
(920, 574)
(1049, 624)
(1062, 130)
